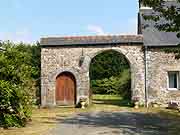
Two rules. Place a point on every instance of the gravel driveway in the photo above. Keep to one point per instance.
(116, 123)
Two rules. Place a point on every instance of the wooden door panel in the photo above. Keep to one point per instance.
(65, 89)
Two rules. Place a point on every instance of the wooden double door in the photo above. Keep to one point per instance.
(65, 89)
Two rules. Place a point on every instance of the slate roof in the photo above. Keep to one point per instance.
(154, 37)
(92, 40)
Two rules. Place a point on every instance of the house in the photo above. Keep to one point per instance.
(155, 74)
(162, 69)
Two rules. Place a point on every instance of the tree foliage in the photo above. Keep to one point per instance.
(110, 74)
(19, 82)
(107, 64)
(169, 12)
(116, 85)
(15, 105)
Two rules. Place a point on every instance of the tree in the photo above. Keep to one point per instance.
(110, 74)
(107, 64)
(168, 10)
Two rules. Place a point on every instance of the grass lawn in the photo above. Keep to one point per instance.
(42, 120)
(45, 119)
(111, 100)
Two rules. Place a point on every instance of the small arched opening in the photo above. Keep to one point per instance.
(65, 89)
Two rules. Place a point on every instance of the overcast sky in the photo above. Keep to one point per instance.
(29, 20)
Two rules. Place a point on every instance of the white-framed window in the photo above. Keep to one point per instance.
(173, 80)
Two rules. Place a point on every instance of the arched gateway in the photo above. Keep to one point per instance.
(68, 58)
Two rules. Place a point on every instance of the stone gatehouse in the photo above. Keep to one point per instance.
(155, 75)
(71, 55)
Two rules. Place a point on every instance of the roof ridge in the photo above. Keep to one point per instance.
(87, 40)
(95, 36)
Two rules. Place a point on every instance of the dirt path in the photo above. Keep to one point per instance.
(116, 123)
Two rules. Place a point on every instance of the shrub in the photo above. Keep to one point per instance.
(19, 82)
(117, 85)
(109, 74)
(15, 105)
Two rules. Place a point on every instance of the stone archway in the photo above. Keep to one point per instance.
(88, 58)
(50, 89)
(112, 67)
(60, 55)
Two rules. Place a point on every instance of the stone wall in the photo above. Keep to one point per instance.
(57, 59)
(159, 63)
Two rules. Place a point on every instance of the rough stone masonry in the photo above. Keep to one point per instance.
(65, 53)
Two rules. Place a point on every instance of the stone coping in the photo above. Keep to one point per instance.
(92, 40)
